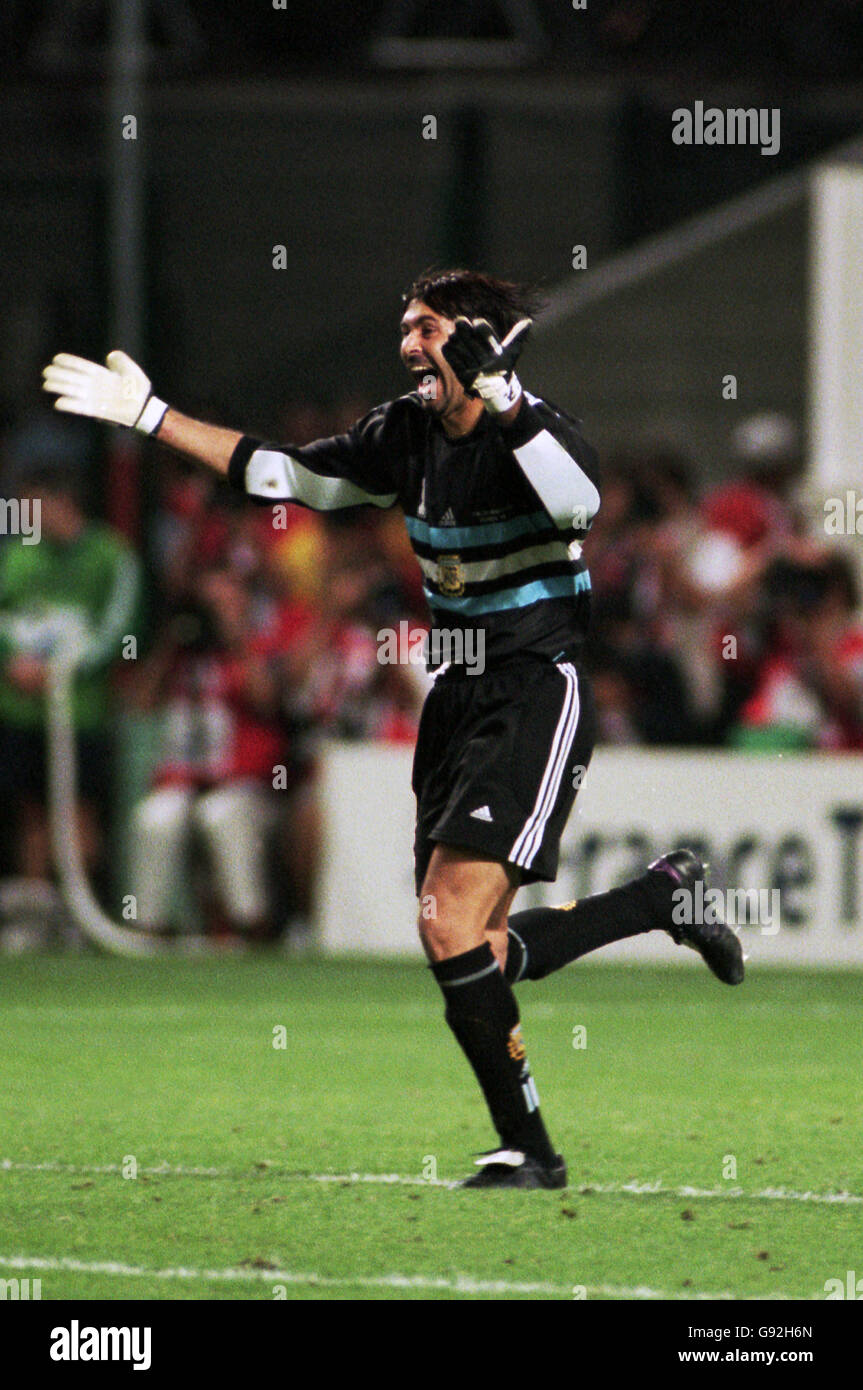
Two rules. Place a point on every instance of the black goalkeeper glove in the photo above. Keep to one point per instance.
(483, 364)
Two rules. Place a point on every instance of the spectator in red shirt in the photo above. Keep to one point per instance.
(809, 691)
(223, 744)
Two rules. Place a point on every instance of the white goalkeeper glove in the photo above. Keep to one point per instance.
(118, 392)
(483, 364)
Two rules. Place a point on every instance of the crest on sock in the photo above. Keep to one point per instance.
(515, 1044)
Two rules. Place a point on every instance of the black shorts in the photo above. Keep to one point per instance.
(499, 760)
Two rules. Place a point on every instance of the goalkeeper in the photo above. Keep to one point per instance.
(498, 488)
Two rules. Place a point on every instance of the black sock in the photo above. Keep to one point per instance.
(482, 1012)
(542, 939)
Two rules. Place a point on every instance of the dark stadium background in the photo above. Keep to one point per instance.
(301, 127)
(266, 1105)
(264, 126)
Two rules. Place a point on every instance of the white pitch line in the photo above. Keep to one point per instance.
(767, 1194)
(461, 1284)
(627, 1189)
(167, 1170)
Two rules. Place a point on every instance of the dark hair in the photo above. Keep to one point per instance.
(475, 295)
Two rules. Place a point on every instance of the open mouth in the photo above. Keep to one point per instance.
(426, 379)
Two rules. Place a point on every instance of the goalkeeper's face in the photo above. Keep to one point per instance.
(423, 335)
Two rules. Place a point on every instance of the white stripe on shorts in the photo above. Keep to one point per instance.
(529, 840)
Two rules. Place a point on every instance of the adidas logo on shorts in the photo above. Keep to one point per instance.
(482, 813)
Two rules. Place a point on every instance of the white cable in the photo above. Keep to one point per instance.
(75, 886)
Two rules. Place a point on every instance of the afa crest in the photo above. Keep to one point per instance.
(515, 1044)
(450, 575)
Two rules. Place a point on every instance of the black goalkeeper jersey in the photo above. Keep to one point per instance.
(495, 517)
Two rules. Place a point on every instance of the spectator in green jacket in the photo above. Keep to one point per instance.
(66, 583)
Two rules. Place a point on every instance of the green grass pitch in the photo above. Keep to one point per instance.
(740, 1108)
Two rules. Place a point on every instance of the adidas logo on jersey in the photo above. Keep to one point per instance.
(448, 519)
(482, 813)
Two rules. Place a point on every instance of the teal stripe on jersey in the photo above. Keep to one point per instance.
(488, 534)
(564, 586)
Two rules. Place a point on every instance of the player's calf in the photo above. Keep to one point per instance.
(460, 893)
(543, 939)
(480, 1007)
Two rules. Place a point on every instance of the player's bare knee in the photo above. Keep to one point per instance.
(459, 895)
(449, 922)
(445, 934)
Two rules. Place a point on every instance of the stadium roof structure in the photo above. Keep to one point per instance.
(640, 345)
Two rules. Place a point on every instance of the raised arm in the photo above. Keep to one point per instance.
(559, 465)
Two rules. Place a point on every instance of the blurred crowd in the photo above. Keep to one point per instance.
(722, 616)
(726, 615)
(254, 639)
(265, 645)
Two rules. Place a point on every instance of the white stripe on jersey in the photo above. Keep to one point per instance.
(475, 571)
(557, 478)
(529, 840)
(558, 481)
(272, 474)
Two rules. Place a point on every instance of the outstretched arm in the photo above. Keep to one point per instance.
(120, 393)
(345, 471)
(210, 444)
